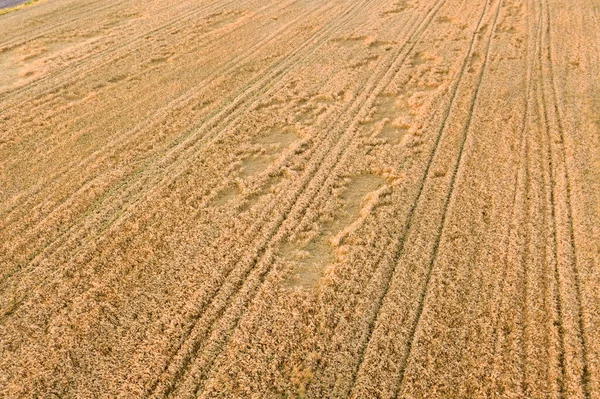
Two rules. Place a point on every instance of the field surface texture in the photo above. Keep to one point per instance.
(300, 199)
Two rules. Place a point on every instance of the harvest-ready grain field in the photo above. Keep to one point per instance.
(300, 199)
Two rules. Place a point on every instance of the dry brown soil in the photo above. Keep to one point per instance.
(300, 199)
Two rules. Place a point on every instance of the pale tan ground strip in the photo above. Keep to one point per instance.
(300, 198)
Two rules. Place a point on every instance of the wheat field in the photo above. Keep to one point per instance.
(300, 199)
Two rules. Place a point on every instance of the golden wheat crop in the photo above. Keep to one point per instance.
(300, 199)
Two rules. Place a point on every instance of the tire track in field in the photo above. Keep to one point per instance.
(524, 260)
(70, 74)
(263, 251)
(521, 190)
(572, 255)
(448, 198)
(423, 180)
(400, 243)
(552, 305)
(230, 114)
(130, 136)
(549, 183)
(555, 331)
